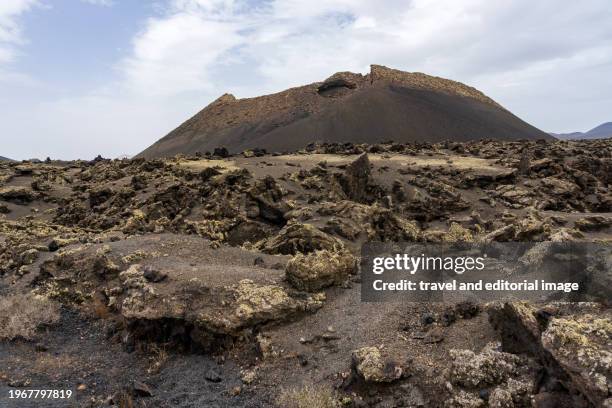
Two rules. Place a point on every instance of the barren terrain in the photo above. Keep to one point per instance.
(233, 280)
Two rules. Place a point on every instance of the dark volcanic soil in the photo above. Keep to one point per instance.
(383, 105)
(77, 351)
(233, 281)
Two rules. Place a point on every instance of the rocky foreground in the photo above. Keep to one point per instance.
(232, 281)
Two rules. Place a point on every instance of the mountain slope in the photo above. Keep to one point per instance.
(602, 131)
(385, 104)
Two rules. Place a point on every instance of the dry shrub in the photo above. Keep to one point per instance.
(157, 358)
(51, 363)
(308, 396)
(99, 308)
(125, 400)
(22, 315)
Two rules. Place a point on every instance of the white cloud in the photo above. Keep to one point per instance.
(175, 54)
(547, 62)
(105, 3)
(11, 35)
(288, 42)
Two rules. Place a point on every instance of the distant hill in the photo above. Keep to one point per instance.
(384, 105)
(602, 131)
(2, 158)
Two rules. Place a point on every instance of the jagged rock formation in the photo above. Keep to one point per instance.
(385, 104)
(239, 277)
(571, 340)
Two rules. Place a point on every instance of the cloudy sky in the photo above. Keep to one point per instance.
(85, 77)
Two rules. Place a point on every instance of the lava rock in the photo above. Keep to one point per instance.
(427, 318)
(141, 389)
(213, 375)
(153, 275)
(17, 195)
(221, 152)
(300, 238)
(357, 176)
(369, 364)
(320, 269)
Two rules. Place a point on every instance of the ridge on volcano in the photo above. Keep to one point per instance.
(385, 104)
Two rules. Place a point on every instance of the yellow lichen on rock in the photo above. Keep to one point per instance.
(320, 269)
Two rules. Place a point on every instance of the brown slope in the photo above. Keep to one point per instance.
(383, 105)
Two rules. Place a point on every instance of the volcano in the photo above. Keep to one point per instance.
(383, 105)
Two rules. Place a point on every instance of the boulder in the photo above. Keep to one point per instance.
(15, 194)
(464, 399)
(99, 196)
(573, 345)
(300, 238)
(582, 347)
(356, 178)
(457, 233)
(490, 367)
(248, 231)
(379, 224)
(169, 202)
(320, 269)
(517, 326)
(485, 177)
(559, 187)
(138, 182)
(221, 152)
(268, 198)
(515, 196)
(370, 364)
(593, 223)
(539, 165)
(342, 227)
(532, 228)
(224, 310)
(524, 164)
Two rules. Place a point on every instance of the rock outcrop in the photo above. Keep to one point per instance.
(320, 269)
(572, 341)
(373, 366)
(300, 238)
(356, 178)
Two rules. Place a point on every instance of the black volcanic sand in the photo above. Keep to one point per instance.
(383, 105)
(173, 273)
(77, 351)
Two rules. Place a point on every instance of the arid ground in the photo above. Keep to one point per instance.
(233, 280)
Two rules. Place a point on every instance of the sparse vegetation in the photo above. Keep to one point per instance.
(157, 358)
(183, 283)
(22, 315)
(308, 396)
(125, 400)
